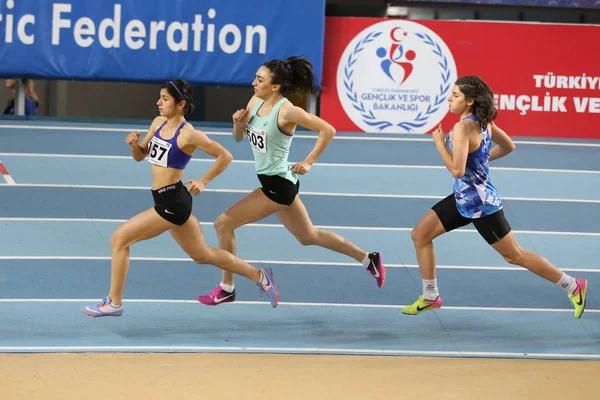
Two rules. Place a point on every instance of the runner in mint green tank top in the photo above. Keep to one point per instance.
(270, 145)
(268, 123)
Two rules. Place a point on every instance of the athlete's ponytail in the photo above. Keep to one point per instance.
(295, 75)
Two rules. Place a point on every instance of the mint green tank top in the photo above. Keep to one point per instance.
(269, 144)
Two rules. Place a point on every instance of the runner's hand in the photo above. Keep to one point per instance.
(438, 134)
(240, 116)
(133, 138)
(301, 167)
(196, 187)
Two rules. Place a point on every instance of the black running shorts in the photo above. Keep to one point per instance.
(173, 203)
(492, 227)
(278, 189)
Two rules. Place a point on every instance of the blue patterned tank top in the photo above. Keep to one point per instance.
(475, 194)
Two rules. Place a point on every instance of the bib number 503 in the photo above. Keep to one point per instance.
(257, 141)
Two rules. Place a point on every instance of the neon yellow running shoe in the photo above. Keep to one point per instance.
(422, 305)
(578, 297)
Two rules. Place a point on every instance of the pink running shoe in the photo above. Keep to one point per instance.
(376, 268)
(217, 296)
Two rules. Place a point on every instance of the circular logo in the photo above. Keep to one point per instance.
(395, 77)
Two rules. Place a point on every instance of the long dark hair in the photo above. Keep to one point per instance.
(483, 108)
(295, 75)
(181, 90)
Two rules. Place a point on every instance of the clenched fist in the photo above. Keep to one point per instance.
(196, 187)
(240, 116)
(133, 138)
(301, 167)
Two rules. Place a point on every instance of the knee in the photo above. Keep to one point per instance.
(223, 224)
(307, 238)
(514, 256)
(202, 259)
(205, 256)
(419, 237)
(118, 240)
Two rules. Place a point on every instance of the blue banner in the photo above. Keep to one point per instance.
(211, 42)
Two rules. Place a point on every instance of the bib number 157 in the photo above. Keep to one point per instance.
(154, 151)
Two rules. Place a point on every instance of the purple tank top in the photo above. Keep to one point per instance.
(166, 153)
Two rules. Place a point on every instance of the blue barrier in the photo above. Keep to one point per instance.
(212, 42)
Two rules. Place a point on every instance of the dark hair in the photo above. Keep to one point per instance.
(483, 108)
(295, 75)
(181, 90)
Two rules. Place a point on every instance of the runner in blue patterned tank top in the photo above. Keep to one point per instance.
(168, 146)
(475, 194)
(466, 152)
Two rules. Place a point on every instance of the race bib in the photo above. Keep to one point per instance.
(257, 138)
(158, 151)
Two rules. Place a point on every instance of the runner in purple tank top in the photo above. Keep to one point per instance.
(169, 145)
